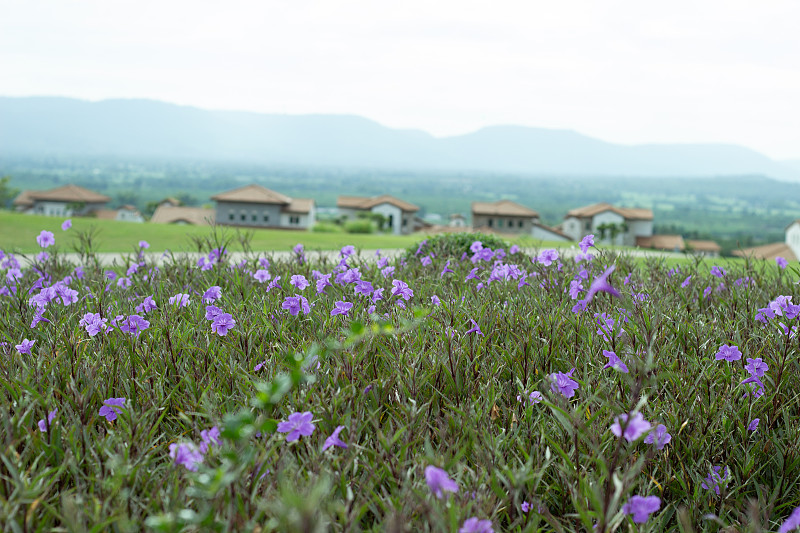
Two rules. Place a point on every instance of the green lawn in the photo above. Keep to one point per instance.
(18, 233)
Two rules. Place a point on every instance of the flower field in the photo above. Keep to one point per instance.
(466, 386)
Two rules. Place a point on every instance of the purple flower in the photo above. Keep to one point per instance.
(25, 347)
(728, 353)
(212, 294)
(475, 525)
(706, 292)
(294, 304)
(615, 362)
(718, 476)
(223, 322)
(659, 437)
(111, 408)
(753, 425)
(547, 257)
(400, 288)
(66, 224)
(575, 289)
(134, 325)
(45, 238)
(44, 425)
(435, 300)
(261, 275)
(757, 388)
(533, 398)
(514, 249)
(781, 262)
(210, 437)
(793, 522)
(635, 427)
(717, 271)
(476, 246)
(686, 282)
(347, 251)
(426, 261)
(363, 287)
(334, 439)
(526, 507)
(41, 257)
(93, 323)
(586, 243)
(439, 482)
(601, 284)
(322, 282)
(563, 383)
(641, 507)
(446, 269)
(756, 367)
(474, 329)
(144, 245)
(341, 308)
(299, 281)
(187, 455)
(297, 424)
(180, 299)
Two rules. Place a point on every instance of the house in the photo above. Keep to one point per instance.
(398, 214)
(457, 220)
(789, 249)
(609, 224)
(665, 243)
(194, 216)
(703, 248)
(258, 207)
(126, 213)
(503, 216)
(69, 200)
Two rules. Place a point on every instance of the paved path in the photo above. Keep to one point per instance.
(108, 259)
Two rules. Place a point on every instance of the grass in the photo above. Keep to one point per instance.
(415, 384)
(19, 234)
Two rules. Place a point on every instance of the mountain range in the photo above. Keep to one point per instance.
(55, 126)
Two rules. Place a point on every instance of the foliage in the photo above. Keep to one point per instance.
(359, 226)
(7, 192)
(468, 382)
(453, 245)
(326, 227)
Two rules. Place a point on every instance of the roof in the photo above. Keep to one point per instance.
(67, 193)
(703, 246)
(24, 199)
(252, 194)
(792, 223)
(768, 251)
(171, 200)
(553, 230)
(503, 208)
(363, 202)
(629, 213)
(661, 242)
(198, 216)
(299, 205)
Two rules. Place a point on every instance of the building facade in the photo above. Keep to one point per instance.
(397, 214)
(503, 216)
(66, 201)
(609, 224)
(259, 207)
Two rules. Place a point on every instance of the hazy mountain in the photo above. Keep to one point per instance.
(144, 128)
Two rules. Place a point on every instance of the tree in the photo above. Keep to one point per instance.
(7, 192)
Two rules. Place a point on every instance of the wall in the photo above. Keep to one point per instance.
(259, 211)
(543, 234)
(793, 238)
(503, 224)
(396, 214)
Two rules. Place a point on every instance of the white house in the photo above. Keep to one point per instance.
(793, 237)
(546, 233)
(259, 207)
(69, 200)
(609, 224)
(399, 215)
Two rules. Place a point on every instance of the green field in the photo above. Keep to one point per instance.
(18, 234)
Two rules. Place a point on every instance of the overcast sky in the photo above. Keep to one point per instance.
(624, 71)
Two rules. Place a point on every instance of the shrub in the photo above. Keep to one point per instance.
(326, 227)
(359, 226)
(455, 244)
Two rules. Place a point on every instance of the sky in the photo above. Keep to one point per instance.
(630, 72)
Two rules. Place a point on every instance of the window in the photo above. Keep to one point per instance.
(587, 225)
(254, 217)
(405, 222)
(519, 224)
(266, 218)
(244, 217)
(231, 216)
(294, 220)
(491, 222)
